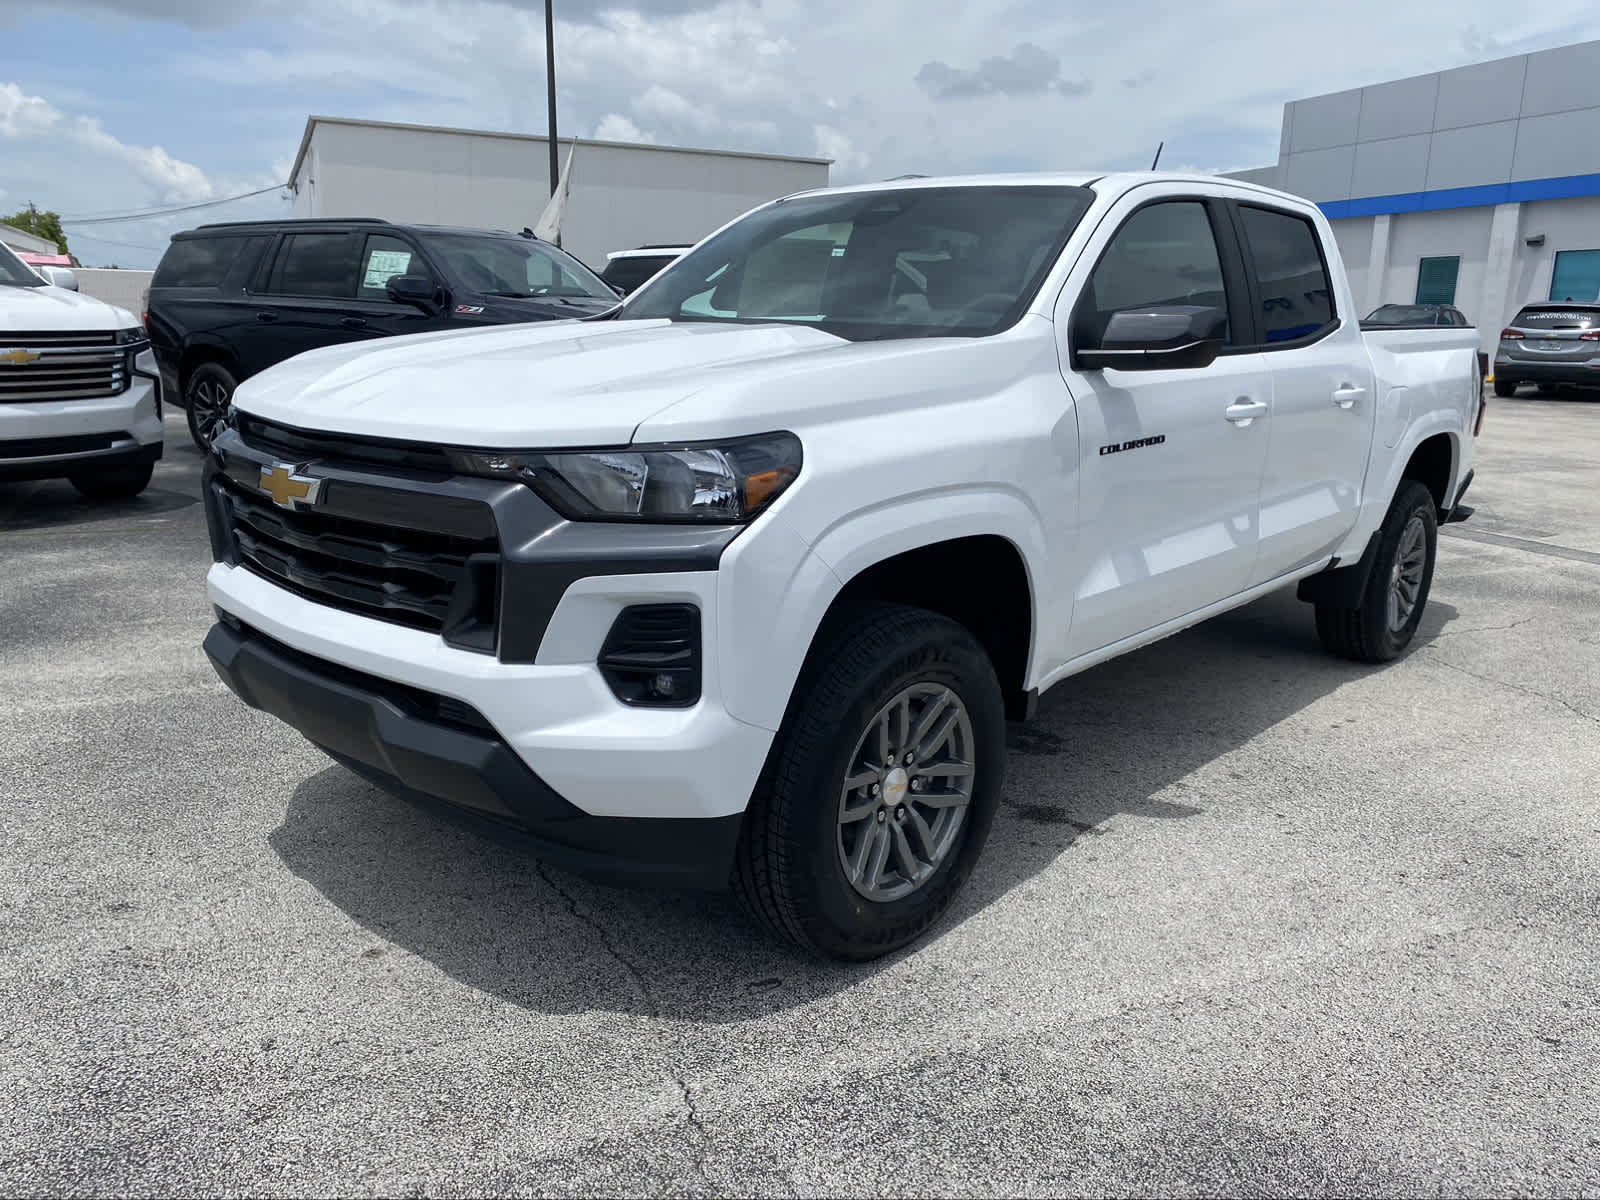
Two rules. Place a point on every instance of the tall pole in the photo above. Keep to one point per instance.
(550, 80)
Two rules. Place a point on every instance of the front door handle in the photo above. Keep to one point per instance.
(1244, 410)
(1346, 396)
(353, 322)
(267, 317)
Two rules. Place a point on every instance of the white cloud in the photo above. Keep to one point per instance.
(847, 160)
(168, 180)
(614, 127)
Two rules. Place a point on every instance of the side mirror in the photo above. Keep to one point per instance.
(61, 277)
(618, 289)
(416, 290)
(1160, 338)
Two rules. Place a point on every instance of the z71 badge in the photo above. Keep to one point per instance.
(1134, 445)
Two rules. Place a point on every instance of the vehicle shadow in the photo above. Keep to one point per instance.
(1106, 743)
(55, 502)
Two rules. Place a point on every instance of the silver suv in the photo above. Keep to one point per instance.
(1552, 345)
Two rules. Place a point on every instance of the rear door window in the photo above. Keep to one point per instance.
(201, 261)
(1285, 256)
(315, 264)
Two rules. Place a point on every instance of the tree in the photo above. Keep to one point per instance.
(40, 224)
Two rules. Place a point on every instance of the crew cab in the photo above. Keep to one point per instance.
(79, 393)
(738, 584)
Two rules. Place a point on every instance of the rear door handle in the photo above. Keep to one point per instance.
(269, 317)
(1244, 410)
(353, 322)
(1346, 396)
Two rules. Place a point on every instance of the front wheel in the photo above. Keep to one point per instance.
(881, 788)
(208, 395)
(1386, 620)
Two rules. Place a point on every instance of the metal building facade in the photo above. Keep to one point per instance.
(621, 195)
(1495, 166)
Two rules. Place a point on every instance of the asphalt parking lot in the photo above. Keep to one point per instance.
(1253, 920)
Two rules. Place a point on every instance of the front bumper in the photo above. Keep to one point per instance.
(425, 747)
(47, 439)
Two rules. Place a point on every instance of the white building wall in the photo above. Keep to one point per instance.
(621, 195)
(1488, 292)
(125, 289)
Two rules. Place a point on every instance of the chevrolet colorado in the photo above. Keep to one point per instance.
(738, 583)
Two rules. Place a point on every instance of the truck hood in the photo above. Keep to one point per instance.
(56, 310)
(566, 383)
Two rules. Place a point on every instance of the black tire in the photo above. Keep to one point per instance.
(121, 483)
(1365, 633)
(208, 395)
(790, 872)
(1505, 387)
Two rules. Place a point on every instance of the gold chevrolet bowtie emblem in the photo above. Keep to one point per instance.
(18, 357)
(287, 489)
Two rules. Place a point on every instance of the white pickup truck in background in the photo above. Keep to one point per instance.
(79, 394)
(738, 583)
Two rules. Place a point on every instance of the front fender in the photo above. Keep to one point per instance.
(774, 590)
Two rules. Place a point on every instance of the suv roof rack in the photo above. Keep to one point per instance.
(296, 221)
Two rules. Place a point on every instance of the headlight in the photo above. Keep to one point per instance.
(131, 337)
(723, 482)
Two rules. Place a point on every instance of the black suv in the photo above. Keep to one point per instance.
(230, 300)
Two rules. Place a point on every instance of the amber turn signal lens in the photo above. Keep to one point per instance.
(758, 488)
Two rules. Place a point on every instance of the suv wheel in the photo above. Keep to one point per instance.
(208, 396)
(1391, 607)
(881, 788)
(1505, 387)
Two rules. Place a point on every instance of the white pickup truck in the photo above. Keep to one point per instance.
(80, 396)
(738, 583)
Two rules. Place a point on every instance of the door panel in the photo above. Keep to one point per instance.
(1166, 528)
(1323, 400)
(1171, 460)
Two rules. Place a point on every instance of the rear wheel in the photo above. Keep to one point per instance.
(1386, 620)
(881, 788)
(119, 483)
(208, 395)
(1505, 387)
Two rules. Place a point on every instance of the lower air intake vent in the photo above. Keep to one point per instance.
(652, 655)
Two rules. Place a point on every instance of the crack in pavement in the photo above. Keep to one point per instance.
(691, 1111)
(1444, 633)
(1515, 687)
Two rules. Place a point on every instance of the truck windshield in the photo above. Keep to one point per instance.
(15, 272)
(511, 266)
(912, 262)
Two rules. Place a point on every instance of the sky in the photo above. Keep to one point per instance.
(109, 107)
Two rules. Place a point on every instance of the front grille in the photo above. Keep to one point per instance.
(61, 366)
(302, 445)
(438, 582)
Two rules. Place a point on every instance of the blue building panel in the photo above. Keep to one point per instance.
(1465, 197)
